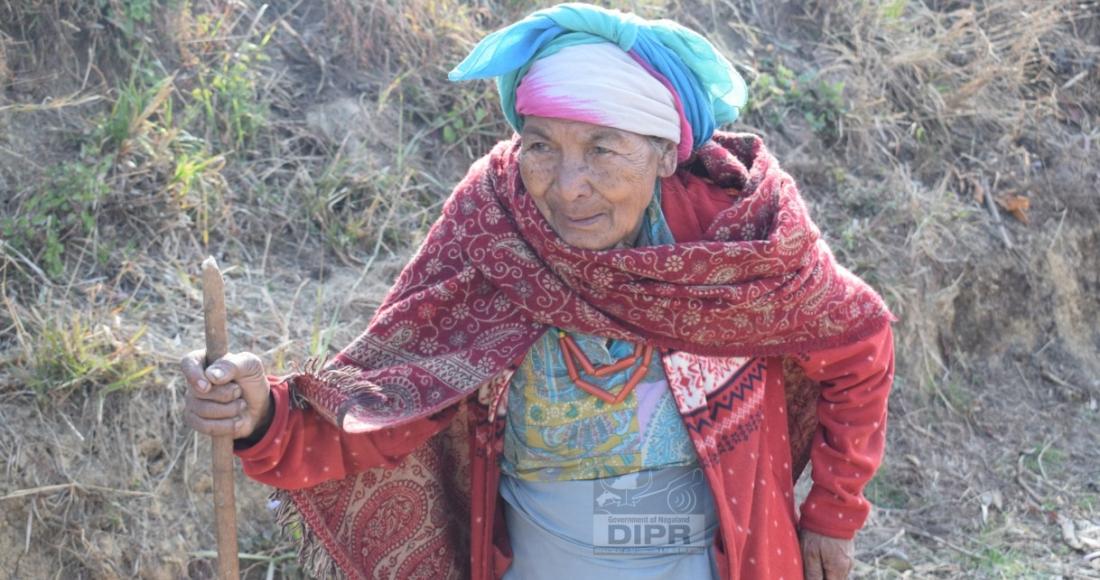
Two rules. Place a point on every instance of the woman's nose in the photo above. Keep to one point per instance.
(573, 179)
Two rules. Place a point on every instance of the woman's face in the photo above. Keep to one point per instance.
(592, 183)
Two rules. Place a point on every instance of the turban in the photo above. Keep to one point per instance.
(705, 88)
(602, 85)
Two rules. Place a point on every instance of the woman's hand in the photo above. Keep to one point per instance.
(825, 558)
(230, 397)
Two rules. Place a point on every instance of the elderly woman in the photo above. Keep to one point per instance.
(599, 362)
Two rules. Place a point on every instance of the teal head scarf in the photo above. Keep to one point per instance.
(710, 91)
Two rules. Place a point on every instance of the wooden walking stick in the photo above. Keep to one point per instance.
(217, 345)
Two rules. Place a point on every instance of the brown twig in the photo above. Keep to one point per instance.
(1060, 381)
(941, 541)
(1069, 533)
(72, 485)
(992, 206)
(1034, 497)
(51, 104)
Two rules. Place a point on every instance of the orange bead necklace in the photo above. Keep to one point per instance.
(574, 357)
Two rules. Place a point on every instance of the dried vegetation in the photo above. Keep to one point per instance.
(948, 149)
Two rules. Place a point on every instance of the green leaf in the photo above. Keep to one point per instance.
(894, 9)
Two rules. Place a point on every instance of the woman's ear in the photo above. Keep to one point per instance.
(666, 160)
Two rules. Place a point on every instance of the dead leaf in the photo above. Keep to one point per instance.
(1017, 205)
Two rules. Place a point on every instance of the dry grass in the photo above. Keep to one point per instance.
(310, 145)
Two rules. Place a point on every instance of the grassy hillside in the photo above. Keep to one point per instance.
(948, 149)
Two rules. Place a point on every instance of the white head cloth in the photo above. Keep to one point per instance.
(602, 85)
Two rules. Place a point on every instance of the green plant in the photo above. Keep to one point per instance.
(65, 209)
(456, 127)
(818, 101)
(127, 14)
(143, 135)
(130, 147)
(196, 170)
(1045, 461)
(1006, 562)
(953, 394)
(141, 105)
(893, 10)
(71, 351)
(227, 91)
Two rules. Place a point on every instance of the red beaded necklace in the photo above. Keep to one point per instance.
(574, 356)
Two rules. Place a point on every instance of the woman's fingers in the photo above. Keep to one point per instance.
(229, 397)
(231, 367)
(220, 393)
(218, 397)
(237, 366)
(219, 411)
(215, 410)
(191, 364)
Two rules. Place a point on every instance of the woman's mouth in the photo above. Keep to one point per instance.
(583, 222)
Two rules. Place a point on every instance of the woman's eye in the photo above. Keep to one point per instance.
(536, 147)
(601, 150)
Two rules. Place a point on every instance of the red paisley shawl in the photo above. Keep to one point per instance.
(749, 276)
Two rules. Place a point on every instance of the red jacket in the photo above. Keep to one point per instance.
(735, 414)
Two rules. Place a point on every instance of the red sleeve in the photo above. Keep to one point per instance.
(850, 440)
(302, 449)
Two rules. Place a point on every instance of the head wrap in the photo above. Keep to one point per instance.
(704, 84)
(602, 85)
